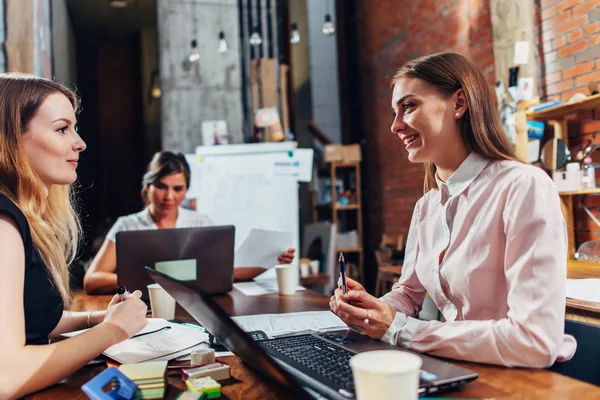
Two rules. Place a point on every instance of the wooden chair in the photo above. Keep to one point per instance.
(387, 272)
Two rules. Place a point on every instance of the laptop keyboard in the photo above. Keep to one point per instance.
(319, 356)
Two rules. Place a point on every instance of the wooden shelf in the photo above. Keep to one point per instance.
(348, 207)
(349, 250)
(578, 192)
(562, 110)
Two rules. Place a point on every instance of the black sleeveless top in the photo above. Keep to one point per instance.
(43, 303)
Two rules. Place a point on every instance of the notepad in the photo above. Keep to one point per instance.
(162, 343)
(279, 324)
(150, 378)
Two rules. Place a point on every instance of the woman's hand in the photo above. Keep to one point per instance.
(361, 311)
(128, 315)
(286, 257)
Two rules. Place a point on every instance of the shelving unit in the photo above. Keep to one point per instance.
(558, 116)
(354, 208)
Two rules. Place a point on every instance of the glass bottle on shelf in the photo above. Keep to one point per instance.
(588, 174)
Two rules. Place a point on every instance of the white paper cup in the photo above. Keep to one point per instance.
(314, 267)
(304, 270)
(287, 278)
(386, 375)
(161, 302)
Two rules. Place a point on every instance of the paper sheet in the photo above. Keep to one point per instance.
(260, 288)
(584, 289)
(277, 324)
(262, 247)
(163, 345)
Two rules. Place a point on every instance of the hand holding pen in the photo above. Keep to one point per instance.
(129, 316)
(343, 274)
(123, 293)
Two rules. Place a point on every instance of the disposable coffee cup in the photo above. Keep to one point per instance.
(161, 302)
(386, 375)
(314, 267)
(287, 278)
(304, 270)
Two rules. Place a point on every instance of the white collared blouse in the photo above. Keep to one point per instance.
(490, 249)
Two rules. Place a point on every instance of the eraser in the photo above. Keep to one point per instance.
(217, 370)
(203, 356)
(206, 385)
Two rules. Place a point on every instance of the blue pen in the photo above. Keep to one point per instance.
(343, 273)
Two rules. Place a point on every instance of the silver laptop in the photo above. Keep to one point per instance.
(203, 257)
(307, 365)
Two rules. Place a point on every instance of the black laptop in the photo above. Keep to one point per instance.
(307, 366)
(201, 256)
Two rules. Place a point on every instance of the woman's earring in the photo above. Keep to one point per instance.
(457, 114)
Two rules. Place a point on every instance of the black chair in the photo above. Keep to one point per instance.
(585, 364)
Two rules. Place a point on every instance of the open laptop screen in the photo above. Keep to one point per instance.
(209, 314)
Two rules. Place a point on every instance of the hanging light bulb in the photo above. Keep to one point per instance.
(295, 35)
(255, 38)
(328, 26)
(194, 52)
(222, 43)
(156, 92)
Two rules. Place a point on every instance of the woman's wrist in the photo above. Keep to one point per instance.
(115, 332)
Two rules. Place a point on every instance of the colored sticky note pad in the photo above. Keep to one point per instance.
(183, 270)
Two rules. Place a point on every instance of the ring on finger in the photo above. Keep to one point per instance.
(366, 320)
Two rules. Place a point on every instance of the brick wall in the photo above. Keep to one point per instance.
(570, 49)
(391, 33)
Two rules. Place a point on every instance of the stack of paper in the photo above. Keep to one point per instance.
(280, 324)
(150, 378)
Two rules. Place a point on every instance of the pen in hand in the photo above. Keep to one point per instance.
(122, 292)
(343, 274)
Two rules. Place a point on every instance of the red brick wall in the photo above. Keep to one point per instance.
(570, 48)
(391, 33)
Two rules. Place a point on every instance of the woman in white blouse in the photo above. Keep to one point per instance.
(164, 187)
(487, 241)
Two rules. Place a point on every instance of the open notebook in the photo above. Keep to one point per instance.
(159, 340)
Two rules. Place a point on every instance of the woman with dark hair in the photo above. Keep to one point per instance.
(39, 231)
(487, 241)
(164, 187)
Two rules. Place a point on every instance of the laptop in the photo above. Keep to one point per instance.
(203, 257)
(314, 364)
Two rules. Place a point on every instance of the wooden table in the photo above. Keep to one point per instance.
(493, 382)
(580, 310)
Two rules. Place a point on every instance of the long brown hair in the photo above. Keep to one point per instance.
(481, 129)
(52, 219)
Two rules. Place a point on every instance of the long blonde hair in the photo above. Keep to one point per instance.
(52, 219)
(481, 129)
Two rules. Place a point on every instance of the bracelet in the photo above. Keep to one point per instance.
(89, 325)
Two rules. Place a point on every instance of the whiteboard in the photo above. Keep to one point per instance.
(238, 185)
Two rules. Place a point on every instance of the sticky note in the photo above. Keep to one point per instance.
(183, 270)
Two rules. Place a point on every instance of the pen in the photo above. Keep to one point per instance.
(343, 273)
(122, 292)
(154, 331)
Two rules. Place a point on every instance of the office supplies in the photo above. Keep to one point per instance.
(191, 396)
(279, 324)
(163, 344)
(203, 356)
(122, 292)
(343, 273)
(150, 378)
(210, 247)
(216, 370)
(125, 389)
(315, 363)
(206, 385)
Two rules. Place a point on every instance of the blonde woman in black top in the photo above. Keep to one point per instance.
(39, 149)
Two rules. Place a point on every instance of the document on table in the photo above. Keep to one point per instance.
(262, 247)
(584, 289)
(163, 341)
(278, 324)
(260, 288)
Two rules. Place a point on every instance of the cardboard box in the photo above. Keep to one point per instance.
(334, 152)
(352, 153)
